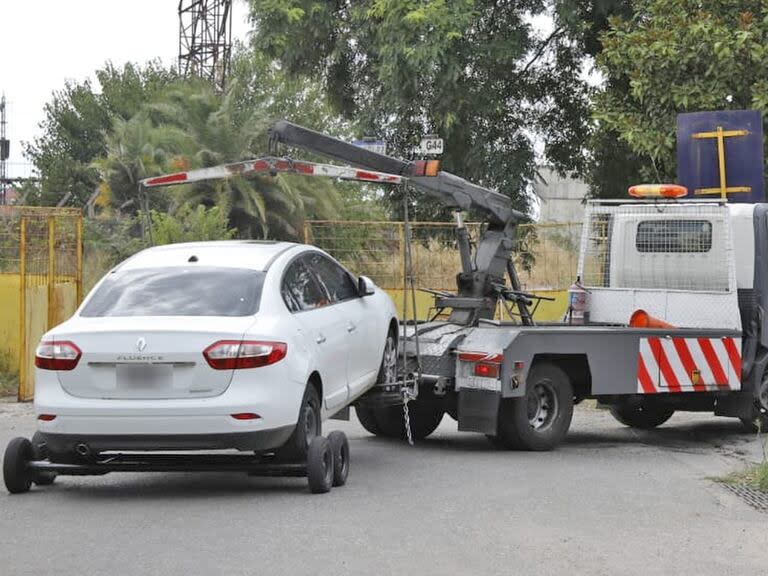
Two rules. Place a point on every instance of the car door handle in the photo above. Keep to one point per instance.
(320, 339)
(351, 327)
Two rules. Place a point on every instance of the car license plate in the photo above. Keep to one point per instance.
(146, 376)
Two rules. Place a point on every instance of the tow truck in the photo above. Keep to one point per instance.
(675, 288)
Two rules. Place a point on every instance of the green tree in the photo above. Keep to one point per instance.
(75, 125)
(471, 71)
(190, 224)
(219, 130)
(676, 56)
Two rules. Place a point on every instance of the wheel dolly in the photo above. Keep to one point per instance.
(327, 464)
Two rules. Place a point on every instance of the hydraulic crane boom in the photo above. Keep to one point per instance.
(482, 277)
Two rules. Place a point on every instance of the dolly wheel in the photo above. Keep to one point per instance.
(340, 449)
(18, 477)
(320, 465)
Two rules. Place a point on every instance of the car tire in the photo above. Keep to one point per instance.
(308, 427)
(320, 465)
(340, 449)
(539, 420)
(18, 478)
(641, 416)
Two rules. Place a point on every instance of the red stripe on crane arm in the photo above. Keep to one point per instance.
(177, 178)
(714, 364)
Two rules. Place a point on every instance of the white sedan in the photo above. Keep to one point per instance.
(212, 345)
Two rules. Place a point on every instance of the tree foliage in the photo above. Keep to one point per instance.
(76, 122)
(472, 71)
(677, 56)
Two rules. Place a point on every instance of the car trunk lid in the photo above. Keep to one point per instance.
(124, 359)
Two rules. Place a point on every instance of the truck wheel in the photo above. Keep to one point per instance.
(340, 449)
(367, 419)
(18, 478)
(308, 427)
(320, 465)
(425, 417)
(642, 416)
(540, 419)
(755, 424)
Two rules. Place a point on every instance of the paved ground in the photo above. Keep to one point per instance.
(610, 501)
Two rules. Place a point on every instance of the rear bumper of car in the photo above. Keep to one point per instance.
(171, 424)
(66, 445)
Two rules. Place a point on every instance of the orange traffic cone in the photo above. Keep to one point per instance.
(641, 319)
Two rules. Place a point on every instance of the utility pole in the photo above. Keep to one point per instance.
(4, 152)
(205, 39)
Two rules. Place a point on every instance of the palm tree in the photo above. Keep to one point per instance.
(218, 131)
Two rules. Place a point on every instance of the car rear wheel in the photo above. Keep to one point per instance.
(308, 427)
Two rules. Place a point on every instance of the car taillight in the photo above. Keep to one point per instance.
(53, 355)
(239, 354)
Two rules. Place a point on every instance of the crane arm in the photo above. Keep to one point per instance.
(451, 190)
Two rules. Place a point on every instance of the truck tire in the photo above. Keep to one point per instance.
(539, 420)
(643, 417)
(367, 419)
(425, 417)
(756, 424)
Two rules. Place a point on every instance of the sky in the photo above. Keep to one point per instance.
(46, 42)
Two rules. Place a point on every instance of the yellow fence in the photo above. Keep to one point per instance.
(546, 257)
(41, 264)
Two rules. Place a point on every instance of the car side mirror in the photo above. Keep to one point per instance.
(365, 286)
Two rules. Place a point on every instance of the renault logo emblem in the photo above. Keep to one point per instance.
(141, 344)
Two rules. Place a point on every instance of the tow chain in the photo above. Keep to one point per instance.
(409, 393)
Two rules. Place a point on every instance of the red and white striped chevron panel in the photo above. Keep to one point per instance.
(688, 365)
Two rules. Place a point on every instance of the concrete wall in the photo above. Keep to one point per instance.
(561, 198)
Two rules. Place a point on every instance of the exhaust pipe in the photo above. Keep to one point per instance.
(83, 450)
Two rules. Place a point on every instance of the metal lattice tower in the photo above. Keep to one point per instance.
(4, 152)
(205, 39)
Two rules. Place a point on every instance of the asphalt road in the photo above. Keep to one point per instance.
(609, 501)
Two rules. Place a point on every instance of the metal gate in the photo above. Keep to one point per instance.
(41, 282)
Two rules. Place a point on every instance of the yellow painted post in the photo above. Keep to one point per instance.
(721, 162)
(79, 249)
(401, 250)
(22, 308)
(51, 271)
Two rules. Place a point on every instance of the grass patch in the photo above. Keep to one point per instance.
(755, 476)
(9, 376)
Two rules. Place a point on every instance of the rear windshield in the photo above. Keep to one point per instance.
(178, 291)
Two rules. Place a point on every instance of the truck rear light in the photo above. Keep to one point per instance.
(53, 355)
(240, 354)
(487, 370)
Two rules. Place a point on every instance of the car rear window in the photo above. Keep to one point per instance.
(178, 291)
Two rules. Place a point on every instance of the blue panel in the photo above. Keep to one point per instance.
(697, 163)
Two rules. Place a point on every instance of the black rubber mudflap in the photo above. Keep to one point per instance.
(478, 411)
